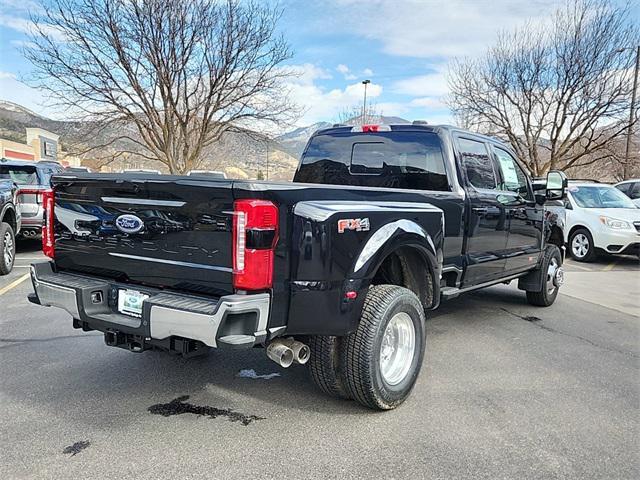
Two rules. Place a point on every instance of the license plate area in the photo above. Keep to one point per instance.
(130, 302)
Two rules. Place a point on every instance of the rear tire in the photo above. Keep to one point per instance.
(383, 357)
(324, 365)
(7, 248)
(581, 246)
(551, 262)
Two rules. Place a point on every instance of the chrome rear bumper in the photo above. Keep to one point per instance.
(229, 321)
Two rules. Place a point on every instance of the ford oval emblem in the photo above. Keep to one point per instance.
(129, 223)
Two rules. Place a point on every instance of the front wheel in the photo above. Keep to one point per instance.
(7, 248)
(381, 360)
(553, 278)
(581, 246)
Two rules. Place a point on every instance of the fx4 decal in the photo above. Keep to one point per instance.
(357, 224)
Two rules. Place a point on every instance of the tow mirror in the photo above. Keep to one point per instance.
(556, 185)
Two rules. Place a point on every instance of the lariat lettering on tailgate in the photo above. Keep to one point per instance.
(124, 242)
(356, 224)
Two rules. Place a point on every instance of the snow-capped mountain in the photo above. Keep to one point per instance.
(293, 142)
(14, 107)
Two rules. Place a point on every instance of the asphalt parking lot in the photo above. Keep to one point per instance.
(507, 390)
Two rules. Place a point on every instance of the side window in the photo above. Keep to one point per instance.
(513, 178)
(634, 192)
(625, 188)
(477, 163)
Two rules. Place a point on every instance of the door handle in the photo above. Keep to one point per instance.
(480, 210)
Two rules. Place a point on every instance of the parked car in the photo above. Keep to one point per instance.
(142, 170)
(32, 179)
(336, 269)
(598, 218)
(208, 173)
(10, 223)
(79, 169)
(631, 188)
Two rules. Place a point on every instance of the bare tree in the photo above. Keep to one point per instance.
(171, 77)
(353, 115)
(558, 93)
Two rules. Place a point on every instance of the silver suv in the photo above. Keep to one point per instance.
(31, 178)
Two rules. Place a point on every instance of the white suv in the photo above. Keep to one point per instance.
(598, 217)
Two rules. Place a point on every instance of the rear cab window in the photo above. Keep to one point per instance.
(22, 175)
(395, 159)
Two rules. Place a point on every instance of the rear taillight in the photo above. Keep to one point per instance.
(48, 200)
(32, 191)
(255, 234)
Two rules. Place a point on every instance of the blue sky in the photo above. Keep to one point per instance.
(402, 46)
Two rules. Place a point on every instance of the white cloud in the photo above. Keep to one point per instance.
(26, 26)
(432, 103)
(7, 76)
(367, 72)
(418, 28)
(22, 43)
(321, 104)
(429, 85)
(346, 72)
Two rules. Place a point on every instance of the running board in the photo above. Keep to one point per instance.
(448, 293)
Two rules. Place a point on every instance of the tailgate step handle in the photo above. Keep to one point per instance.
(236, 341)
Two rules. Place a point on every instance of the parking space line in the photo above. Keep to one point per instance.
(580, 267)
(14, 284)
(609, 267)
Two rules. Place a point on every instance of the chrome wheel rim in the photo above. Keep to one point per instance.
(552, 269)
(580, 245)
(397, 349)
(8, 249)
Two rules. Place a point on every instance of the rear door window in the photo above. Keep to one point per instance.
(625, 188)
(47, 172)
(477, 164)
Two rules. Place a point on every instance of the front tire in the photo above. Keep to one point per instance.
(551, 263)
(581, 246)
(7, 248)
(382, 358)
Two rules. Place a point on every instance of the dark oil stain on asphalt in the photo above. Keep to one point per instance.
(76, 447)
(528, 318)
(180, 405)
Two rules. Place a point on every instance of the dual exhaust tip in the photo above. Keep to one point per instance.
(285, 351)
(30, 233)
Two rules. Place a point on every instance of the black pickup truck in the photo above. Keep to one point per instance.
(10, 221)
(335, 269)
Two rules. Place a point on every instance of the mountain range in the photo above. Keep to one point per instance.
(240, 155)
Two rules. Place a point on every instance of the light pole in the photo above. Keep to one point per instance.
(364, 105)
(267, 160)
(632, 110)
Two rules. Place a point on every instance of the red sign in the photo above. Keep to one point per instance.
(18, 155)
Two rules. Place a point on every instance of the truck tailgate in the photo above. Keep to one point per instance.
(164, 231)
